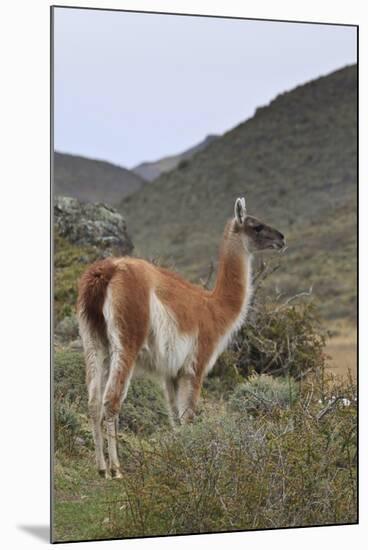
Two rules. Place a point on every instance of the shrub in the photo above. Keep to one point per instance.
(70, 401)
(224, 378)
(144, 409)
(229, 472)
(263, 392)
(67, 426)
(69, 377)
(282, 339)
(67, 329)
(278, 338)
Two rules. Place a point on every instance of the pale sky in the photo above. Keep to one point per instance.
(133, 87)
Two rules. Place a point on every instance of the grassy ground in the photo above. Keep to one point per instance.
(270, 453)
(263, 452)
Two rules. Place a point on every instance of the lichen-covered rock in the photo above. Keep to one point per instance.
(96, 225)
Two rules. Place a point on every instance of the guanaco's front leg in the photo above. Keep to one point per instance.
(188, 392)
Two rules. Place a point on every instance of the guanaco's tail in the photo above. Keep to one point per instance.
(92, 292)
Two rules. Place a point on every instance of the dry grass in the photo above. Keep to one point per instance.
(342, 350)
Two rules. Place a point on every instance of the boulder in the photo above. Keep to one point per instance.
(96, 225)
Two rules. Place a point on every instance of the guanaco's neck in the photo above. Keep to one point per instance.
(233, 285)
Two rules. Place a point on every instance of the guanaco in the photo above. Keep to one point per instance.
(138, 317)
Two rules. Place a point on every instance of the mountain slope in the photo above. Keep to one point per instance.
(92, 180)
(152, 170)
(295, 162)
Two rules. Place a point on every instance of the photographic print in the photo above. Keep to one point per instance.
(204, 221)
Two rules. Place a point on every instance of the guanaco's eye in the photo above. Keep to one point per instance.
(258, 228)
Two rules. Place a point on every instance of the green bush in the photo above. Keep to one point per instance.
(232, 472)
(285, 338)
(70, 401)
(144, 409)
(278, 338)
(224, 377)
(67, 426)
(263, 393)
(231, 469)
(69, 377)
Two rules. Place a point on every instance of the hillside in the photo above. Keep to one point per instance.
(92, 180)
(151, 170)
(295, 161)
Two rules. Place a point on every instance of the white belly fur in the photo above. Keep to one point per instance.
(166, 350)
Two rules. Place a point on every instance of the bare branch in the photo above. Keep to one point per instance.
(329, 407)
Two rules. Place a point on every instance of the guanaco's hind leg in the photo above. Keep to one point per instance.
(96, 355)
(117, 385)
(126, 338)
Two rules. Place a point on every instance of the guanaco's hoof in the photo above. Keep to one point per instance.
(104, 474)
(116, 474)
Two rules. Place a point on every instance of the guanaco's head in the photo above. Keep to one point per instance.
(259, 236)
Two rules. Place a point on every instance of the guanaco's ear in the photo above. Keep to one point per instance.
(240, 210)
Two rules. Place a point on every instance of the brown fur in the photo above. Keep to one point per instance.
(207, 313)
(130, 296)
(92, 292)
